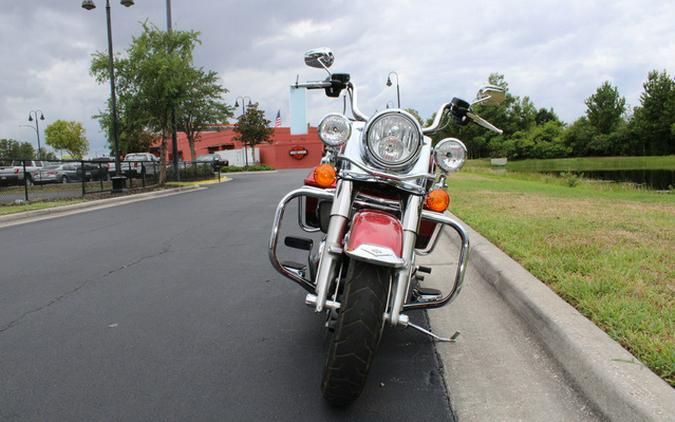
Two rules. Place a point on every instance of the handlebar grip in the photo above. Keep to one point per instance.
(312, 85)
(458, 110)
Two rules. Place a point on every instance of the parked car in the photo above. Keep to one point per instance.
(213, 159)
(97, 170)
(14, 173)
(105, 165)
(136, 164)
(59, 173)
(140, 164)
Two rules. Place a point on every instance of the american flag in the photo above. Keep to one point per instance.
(277, 121)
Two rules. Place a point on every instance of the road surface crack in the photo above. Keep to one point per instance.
(166, 248)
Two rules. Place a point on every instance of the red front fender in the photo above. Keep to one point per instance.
(376, 237)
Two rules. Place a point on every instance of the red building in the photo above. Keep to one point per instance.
(285, 150)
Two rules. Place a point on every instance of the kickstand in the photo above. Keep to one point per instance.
(434, 336)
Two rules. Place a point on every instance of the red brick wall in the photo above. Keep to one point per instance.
(275, 154)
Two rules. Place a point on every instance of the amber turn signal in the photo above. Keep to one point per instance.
(437, 200)
(324, 175)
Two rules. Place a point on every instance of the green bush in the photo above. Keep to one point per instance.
(192, 172)
(570, 178)
(260, 167)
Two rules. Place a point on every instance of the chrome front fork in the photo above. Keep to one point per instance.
(410, 223)
(332, 251)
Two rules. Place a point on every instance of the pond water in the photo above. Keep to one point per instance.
(650, 179)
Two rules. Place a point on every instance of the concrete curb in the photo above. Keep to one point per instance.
(35, 215)
(619, 385)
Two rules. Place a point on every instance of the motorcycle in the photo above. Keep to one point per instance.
(378, 200)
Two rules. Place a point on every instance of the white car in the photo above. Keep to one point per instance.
(14, 173)
(137, 164)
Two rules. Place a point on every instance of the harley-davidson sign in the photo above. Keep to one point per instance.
(298, 152)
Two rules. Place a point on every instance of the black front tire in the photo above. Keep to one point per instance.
(357, 332)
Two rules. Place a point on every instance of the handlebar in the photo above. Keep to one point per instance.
(351, 90)
(459, 109)
(313, 85)
(437, 120)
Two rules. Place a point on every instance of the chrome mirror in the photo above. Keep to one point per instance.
(321, 58)
(490, 95)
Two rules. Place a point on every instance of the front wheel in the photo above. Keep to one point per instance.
(357, 332)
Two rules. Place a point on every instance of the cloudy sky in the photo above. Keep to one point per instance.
(556, 52)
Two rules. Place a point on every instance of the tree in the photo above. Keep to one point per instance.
(605, 108)
(545, 115)
(153, 79)
(653, 120)
(253, 128)
(133, 135)
(11, 149)
(47, 155)
(578, 136)
(203, 107)
(69, 136)
(416, 115)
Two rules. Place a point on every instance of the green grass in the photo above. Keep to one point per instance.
(230, 169)
(587, 164)
(608, 251)
(32, 206)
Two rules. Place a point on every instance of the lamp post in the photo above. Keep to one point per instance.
(174, 135)
(398, 91)
(89, 5)
(37, 128)
(243, 111)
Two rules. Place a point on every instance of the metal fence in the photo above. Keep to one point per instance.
(35, 180)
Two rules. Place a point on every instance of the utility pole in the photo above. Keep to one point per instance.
(174, 135)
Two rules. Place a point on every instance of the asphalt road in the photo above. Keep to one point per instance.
(168, 309)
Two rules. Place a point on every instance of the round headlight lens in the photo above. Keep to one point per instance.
(393, 139)
(335, 129)
(450, 154)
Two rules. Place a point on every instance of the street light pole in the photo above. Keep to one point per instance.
(89, 5)
(243, 111)
(37, 128)
(113, 96)
(398, 91)
(174, 135)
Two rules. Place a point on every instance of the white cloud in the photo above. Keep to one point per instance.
(557, 53)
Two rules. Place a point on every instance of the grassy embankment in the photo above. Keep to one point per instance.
(607, 249)
(32, 206)
(586, 164)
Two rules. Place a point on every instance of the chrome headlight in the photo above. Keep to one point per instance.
(335, 129)
(450, 154)
(393, 139)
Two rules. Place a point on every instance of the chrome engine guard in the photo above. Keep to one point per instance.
(329, 194)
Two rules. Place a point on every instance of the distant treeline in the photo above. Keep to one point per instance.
(608, 127)
(11, 149)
